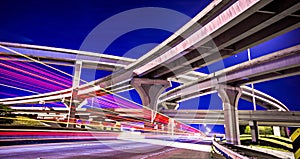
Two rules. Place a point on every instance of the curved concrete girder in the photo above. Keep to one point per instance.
(230, 16)
(59, 95)
(86, 88)
(262, 99)
(66, 57)
(255, 29)
(276, 65)
(278, 118)
(211, 8)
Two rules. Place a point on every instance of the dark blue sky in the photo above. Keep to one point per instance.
(65, 24)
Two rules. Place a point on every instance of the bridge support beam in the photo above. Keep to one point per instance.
(73, 101)
(230, 97)
(149, 91)
(170, 105)
(254, 131)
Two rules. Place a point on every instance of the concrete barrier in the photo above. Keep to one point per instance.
(227, 152)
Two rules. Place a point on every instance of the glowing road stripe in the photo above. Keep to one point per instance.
(41, 71)
(14, 68)
(57, 96)
(29, 80)
(36, 100)
(88, 84)
(18, 82)
(18, 88)
(36, 96)
(198, 147)
(37, 61)
(60, 131)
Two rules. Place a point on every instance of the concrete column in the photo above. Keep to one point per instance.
(295, 137)
(171, 126)
(149, 91)
(254, 131)
(284, 131)
(276, 131)
(74, 99)
(230, 97)
(77, 74)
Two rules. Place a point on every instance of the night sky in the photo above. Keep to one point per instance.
(66, 24)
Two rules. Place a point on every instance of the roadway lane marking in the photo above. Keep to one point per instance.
(16, 148)
(189, 146)
(86, 148)
(158, 153)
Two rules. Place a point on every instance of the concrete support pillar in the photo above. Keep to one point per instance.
(295, 137)
(230, 97)
(162, 127)
(77, 74)
(276, 131)
(73, 102)
(149, 91)
(254, 131)
(171, 126)
(284, 131)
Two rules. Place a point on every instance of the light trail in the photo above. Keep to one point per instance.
(30, 80)
(32, 74)
(37, 61)
(17, 88)
(13, 51)
(42, 71)
(187, 128)
(24, 84)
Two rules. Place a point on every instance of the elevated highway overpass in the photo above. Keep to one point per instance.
(58, 96)
(264, 118)
(62, 57)
(227, 31)
(227, 83)
(219, 20)
(222, 29)
(280, 64)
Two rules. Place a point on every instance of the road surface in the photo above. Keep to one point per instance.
(108, 149)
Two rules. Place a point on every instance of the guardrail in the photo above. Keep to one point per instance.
(227, 152)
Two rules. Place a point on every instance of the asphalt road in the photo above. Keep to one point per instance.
(108, 149)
